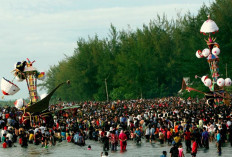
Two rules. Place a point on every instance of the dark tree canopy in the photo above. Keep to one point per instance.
(148, 62)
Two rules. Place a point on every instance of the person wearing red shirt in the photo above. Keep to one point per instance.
(187, 135)
(176, 128)
(97, 122)
(194, 148)
(169, 136)
(114, 141)
(122, 139)
(4, 145)
(69, 138)
(7, 115)
(20, 141)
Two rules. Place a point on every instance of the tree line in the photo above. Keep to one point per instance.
(147, 62)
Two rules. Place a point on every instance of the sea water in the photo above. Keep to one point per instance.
(64, 149)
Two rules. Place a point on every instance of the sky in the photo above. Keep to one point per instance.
(47, 30)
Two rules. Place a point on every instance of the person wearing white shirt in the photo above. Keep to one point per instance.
(211, 131)
(200, 123)
(42, 128)
(228, 123)
(10, 136)
(36, 130)
(147, 132)
(3, 132)
(128, 122)
(3, 116)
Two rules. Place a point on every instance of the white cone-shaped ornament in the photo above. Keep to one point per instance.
(208, 82)
(227, 82)
(216, 51)
(203, 78)
(19, 103)
(220, 82)
(206, 52)
(8, 87)
(199, 54)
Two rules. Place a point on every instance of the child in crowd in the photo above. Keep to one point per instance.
(4, 145)
(181, 152)
(69, 138)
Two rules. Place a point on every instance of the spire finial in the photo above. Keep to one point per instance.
(208, 16)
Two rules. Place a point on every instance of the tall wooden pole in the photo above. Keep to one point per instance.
(107, 96)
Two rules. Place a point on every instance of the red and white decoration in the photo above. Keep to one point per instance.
(208, 82)
(199, 54)
(8, 87)
(220, 82)
(216, 51)
(19, 103)
(227, 82)
(206, 52)
(209, 26)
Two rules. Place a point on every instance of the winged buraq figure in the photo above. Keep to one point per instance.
(37, 105)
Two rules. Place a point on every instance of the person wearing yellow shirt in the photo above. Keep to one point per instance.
(177, 138)
(31, 137)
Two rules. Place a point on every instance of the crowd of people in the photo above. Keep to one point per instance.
(172, 121)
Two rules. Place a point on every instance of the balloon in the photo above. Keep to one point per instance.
(227, 82)
(199, 54)
(220, 82)
(208, 82)
(19, 103)
(216, 51)
(8, 88)
(203, 78)
(42, 96)
(206, 52)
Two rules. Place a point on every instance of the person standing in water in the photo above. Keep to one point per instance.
(164, 154)
(181, 151)
(123, 139)
(219, 142)
(113, 139)
(205, 138)
(187, 136)
(194, 148)
(174, 151)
